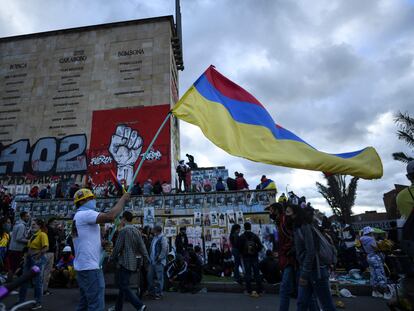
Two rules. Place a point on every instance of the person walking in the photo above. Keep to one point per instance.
(128, 250)
(87, 242)
(235, 251)
(158, 260)
(35, 256)
(313, 275)
(18, 241)
(53, 237)
(250, 247)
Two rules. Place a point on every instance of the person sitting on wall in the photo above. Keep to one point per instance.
(267, 184)
(166, 187)
(147, 188)
(241, 183)
(220, 185)
(157, 189)
(136, 190)
(214, 261)
(45, 193)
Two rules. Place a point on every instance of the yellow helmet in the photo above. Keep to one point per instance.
(82, 194)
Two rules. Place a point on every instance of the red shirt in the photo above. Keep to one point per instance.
(286, 245)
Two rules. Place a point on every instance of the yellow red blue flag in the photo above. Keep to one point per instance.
(237, 122)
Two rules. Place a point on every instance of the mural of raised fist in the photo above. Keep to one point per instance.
(125, 148)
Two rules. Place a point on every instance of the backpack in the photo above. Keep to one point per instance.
(327, 252)
(250, 247)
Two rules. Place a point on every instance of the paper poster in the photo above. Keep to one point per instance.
(169, 202)
(220, 199)
(188, 221)
(217, 242)
(222, 219)
(215, 233)
(207, 221)
(230, 217)
(189, 201)
(207, 234)
(239, 217)
(171, 222)
(210, 201)
(213, 218)
(170, 232)
(199, 201)
(190, 231)
(198, 231)
(197, 218)
(231, 199)
(179, 202)
(149, 216)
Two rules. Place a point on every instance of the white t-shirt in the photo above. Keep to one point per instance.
(88, 242)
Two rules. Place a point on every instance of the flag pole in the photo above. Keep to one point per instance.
(148, 150)
(116, 222)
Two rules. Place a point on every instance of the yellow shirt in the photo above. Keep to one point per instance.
(4, 240)
(405, 201)
(38, 241)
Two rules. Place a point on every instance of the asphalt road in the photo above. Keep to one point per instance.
(66, 299)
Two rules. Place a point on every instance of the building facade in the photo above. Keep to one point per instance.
(52, 84)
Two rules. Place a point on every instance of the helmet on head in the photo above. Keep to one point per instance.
(82, 194)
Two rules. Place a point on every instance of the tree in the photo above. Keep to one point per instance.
(405, 124)
(339, 195)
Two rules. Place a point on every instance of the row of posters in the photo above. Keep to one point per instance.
(245, 201)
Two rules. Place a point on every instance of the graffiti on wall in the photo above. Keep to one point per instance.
(48, 156)
(119, 139)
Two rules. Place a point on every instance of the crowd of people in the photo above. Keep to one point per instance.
(303, 255)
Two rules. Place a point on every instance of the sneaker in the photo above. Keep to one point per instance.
(47, 293)
(143, 308)
(157, 297)
(377, 294)
(37, 306)
(254, 294)
(387, 295)
(111, 308)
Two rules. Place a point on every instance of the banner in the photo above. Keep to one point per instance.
(119, 138)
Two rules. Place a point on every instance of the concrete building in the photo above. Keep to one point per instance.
(52, 82)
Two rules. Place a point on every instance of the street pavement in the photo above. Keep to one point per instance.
(66, 299)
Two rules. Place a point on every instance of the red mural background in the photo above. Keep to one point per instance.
(129, 130)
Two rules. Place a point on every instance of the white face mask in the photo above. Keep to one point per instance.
(214, 248)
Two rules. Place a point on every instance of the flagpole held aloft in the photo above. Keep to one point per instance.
(144, 156)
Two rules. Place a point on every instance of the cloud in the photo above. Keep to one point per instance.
(333, 72)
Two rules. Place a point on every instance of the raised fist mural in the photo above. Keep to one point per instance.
(125, 148)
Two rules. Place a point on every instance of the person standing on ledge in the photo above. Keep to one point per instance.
(87, 241)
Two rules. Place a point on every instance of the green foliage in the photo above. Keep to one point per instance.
(339, 195)
(405, 132)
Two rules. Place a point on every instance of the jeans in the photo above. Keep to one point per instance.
(155, 277)
(376, 269)
(122, 277)
(37, 280)
(319, 288)
(50, 259)
(92, 290)
(237, 263)
(286, 287)
(249, 265)
(289, 280)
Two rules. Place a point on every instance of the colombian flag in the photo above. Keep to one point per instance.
(237, 122)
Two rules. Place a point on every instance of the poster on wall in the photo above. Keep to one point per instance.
(168, 202)
(222, 219)
(197, 218)
(179, 202)
(149, 216)
(119, 138)
(206, 178)
(230, 217)
(239, 218)
(213, 219)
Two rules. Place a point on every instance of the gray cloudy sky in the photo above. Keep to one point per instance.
(333, 72)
